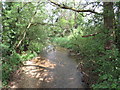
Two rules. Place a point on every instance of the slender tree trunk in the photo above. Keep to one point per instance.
(75, 17)
(118, 29)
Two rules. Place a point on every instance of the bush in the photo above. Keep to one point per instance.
(9, 64)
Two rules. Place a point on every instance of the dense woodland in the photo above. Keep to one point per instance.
(91, 29)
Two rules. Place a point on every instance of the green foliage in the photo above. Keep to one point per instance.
(36, 47)
(61, 41)
(9, 63)
(109, 70)
(27, 56)
(5, 49)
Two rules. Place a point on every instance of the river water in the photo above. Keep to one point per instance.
(65, 73)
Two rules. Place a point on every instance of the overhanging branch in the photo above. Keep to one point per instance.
(34, 24)
(73, 9)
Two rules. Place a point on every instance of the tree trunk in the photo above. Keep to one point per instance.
(75, 16)
(109, 23)
(118, 29)
(108, 15)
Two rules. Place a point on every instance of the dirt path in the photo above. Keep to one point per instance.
(56, 69)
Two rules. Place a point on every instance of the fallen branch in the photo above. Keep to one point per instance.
(91, 34)
(73, 9)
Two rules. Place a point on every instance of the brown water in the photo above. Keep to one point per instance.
(58, 70)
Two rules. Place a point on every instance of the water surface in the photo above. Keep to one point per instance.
(65, 73)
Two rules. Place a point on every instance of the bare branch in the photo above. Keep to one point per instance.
(73, 9)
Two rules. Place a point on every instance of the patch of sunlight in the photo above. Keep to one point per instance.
(71, 78)
(81, 32)
(49, 79)
(13, 83)
(28, 63)
(70, 36)
(34, 68)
